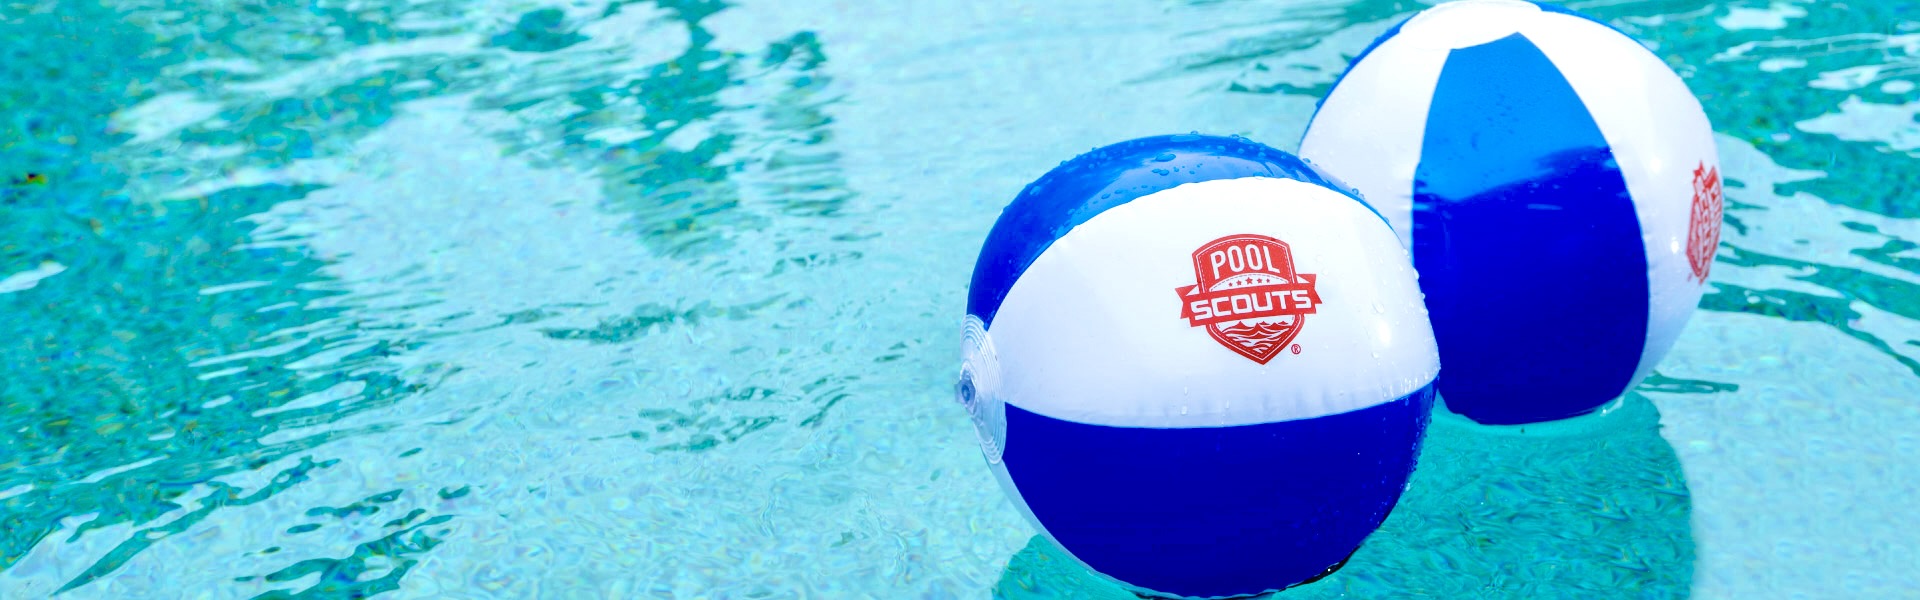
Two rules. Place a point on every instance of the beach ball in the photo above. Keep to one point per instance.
(1197, 364)
(1559, 189)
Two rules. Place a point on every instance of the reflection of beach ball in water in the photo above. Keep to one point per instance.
(1196, 365)
(1557, 185)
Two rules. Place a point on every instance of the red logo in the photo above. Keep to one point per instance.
(1248, 296)
(1703, 230)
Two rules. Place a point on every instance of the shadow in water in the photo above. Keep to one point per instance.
(1593, 507)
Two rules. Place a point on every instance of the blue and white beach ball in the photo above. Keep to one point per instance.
(1197, 365)
(1557, 185)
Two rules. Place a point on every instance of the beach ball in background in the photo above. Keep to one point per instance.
(1197, 364)
(1558, 187)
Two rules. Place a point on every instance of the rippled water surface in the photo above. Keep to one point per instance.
(448, 298)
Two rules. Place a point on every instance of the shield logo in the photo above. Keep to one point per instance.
(1703, 229)
(1248, 296)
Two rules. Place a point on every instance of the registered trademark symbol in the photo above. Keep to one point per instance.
(1296, 348)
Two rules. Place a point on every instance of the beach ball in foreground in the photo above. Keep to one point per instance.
(1557, 185)
(1197, 365)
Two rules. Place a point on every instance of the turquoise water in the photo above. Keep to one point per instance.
(439, 298)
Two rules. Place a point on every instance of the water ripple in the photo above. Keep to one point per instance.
(420, 298)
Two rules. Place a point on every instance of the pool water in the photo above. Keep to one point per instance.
(599, 298)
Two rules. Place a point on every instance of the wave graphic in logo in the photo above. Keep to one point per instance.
(1248, 296)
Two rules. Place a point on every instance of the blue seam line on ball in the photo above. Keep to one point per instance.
(1216, 511)
(1555, 8)
(1527, 242)
(1392, 31)
(1097, 181)
(1395, 30)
